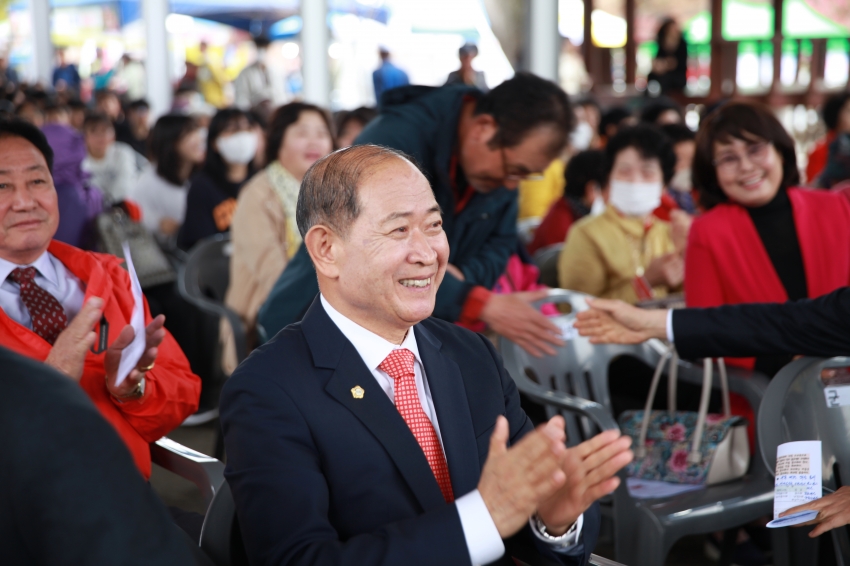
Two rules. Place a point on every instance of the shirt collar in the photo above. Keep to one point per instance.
(371, 347)
(43, 265)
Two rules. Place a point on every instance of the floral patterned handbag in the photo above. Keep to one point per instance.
(683, 446)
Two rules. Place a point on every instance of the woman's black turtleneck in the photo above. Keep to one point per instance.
(775, 225)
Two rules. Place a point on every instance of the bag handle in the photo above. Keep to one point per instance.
(695, 454)
(640, 451)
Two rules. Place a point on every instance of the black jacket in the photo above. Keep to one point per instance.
(811, 327)
(422, 122)
(69, 490)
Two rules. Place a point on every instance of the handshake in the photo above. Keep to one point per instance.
(539, 474)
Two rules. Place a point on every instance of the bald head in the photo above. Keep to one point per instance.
(328, 193)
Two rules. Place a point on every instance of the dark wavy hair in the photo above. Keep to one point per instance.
(162, 145)
(524, 103)
(749, 122)
(649, 141)
(16, 128)
(832, 108)
(284, 117)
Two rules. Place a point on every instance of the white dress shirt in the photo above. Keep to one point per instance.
(51, 276)
(482, 537)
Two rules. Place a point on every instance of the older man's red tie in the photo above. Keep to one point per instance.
(399, 366)
(48, 316)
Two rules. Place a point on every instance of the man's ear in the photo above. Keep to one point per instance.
(484, 127)
(323, 246)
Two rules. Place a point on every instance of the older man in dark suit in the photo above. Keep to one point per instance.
(371, 434)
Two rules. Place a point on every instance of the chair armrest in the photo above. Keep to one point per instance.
(561, 401)
(240, 336)
(204, 471)
(597, 560)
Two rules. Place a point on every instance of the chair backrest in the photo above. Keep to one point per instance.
(206, 275)
(546, 260)
(796, 406)
(578, 368)
(203, 281)
(221, 539)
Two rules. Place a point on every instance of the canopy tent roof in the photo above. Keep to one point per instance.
(255, 16)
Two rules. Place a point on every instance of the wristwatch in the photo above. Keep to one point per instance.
(137, 393)
(565, 539)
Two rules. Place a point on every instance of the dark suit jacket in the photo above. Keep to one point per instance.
(422, 122)
(321, 478)
(69, 491)
(812, 327)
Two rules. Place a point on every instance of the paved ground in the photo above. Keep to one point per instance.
(181, 493)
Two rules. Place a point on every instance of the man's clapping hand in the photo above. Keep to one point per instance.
(154, 335)
(514, 480)
(68, 353)
(590, 470)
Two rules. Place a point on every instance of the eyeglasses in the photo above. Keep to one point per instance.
(757, 153)
(519, 172)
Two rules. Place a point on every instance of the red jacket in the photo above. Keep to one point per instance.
(727, 264)
(818, 158)
(171, 389)
(554, 227)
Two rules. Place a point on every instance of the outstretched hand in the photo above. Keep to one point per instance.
(616, 322)
(513, 317)
(833, 511)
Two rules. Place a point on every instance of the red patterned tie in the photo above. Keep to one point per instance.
(48, 316)
(399, 366)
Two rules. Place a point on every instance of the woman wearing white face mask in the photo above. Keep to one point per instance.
(264, 232)
(211, 202)
(585, 176)
(626, 253)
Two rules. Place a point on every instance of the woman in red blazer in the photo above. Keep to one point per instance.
(761, 239)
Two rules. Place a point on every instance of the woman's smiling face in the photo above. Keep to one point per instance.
(749, 172)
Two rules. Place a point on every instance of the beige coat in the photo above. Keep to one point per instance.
(603, 254)
(260, 254)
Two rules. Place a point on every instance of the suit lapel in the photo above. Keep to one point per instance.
(452, 406)
(332, 350)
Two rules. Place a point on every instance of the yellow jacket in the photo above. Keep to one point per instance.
(601, 254)
(535, 197)
(211, 81)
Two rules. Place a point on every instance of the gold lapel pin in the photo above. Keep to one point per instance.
(357, 392)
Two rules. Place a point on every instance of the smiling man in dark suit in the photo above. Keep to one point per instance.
(371, 434)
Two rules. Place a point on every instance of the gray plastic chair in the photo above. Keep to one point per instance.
(795, 408)
(546, 260)
(574, 383)
(204, 279)
(204, 471)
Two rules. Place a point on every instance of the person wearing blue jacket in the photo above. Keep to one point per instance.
(474, 148)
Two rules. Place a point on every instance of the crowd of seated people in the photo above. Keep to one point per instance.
(643, 207)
